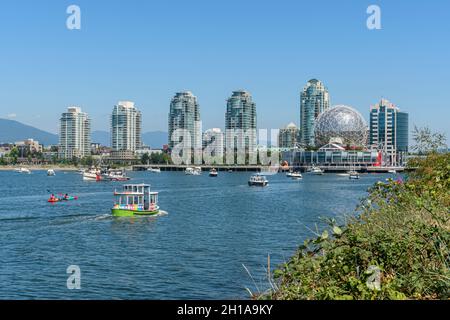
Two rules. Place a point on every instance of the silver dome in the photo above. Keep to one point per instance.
(343, 124)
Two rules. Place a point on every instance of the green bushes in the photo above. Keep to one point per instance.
(396, 248)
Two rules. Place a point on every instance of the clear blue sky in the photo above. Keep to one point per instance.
(145, 51)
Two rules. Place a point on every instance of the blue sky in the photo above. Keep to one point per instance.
(145, 51)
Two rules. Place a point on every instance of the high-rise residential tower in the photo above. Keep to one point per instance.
(74, 134)
(126, 123)
(389, 130)
(240, 123)
(185, 115)
(288, 137)
(314, 100)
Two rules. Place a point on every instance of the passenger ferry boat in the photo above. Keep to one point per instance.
(258, 180)
(135, 200)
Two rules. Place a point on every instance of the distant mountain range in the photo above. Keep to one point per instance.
(12, 131)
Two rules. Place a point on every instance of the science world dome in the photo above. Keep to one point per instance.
(341, 124)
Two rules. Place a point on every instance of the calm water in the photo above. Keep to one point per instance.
(214, 226)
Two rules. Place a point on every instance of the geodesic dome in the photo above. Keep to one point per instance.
(341, 123)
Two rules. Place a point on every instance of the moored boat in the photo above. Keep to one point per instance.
(213, 172)
(51, 173)
(154, 170)
(135, 200)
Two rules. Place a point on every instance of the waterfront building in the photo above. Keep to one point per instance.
(185, 115)
(122, 157)
(126, 124)
(240, 125)
(288, 137)
(314, 100)
(213, 145)
(332, 156)
(29, 145)
(74, 134)
(389, 130)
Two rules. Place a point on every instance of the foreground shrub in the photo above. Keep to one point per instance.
(397, 247)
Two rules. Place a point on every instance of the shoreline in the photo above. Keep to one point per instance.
(40, 168)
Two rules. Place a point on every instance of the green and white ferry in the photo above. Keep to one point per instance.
(135, 200)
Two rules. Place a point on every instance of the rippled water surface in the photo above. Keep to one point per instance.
(214, 226)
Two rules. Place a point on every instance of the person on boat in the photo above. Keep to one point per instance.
(52, 197)
(66, 197)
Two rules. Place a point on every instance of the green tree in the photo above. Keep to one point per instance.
(145, 159)
(428, 142)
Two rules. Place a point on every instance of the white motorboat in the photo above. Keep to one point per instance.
(258, 180)
(213, 173)
(353, 175)
(51, 173)
(392, 171)
(92, 175)
(316, 170)
(23, 170)
(294, 175)
(193, 171)
(154, 170)
(115, 175)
